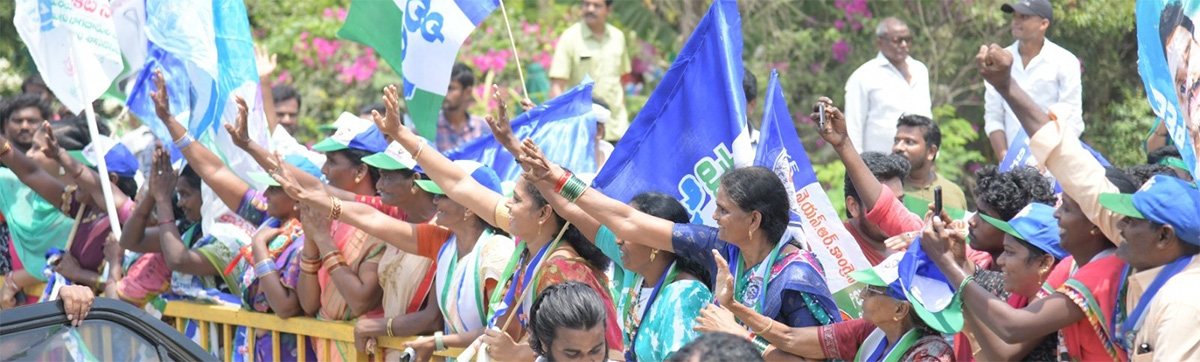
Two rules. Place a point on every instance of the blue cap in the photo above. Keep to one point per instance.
(927, 288)
(479, 172)
(1165, 200)
(301, 162)
(1036, 225)
(353, 132)
(118, 158)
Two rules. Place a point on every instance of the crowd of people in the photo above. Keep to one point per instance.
(374, 225)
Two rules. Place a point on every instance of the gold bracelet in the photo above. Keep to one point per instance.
(335, 208)
(389, 326)
(420, 148)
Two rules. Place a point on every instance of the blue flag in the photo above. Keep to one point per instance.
(206, 54)
(813, 217)
(1167, 62)
(1020, 155)
(564, 128)
(682, 140)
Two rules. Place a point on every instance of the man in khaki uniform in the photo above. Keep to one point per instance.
(596, 49)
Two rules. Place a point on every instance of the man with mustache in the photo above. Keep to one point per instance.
(596, 49)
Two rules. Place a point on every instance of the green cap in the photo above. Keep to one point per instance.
(429, 186)
(1002, 225)
(1121, 204)
(263, 178)
(395, 157)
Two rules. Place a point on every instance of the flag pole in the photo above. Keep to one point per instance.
(101, 149)
(511, 41)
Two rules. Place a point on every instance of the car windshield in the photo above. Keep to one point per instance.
(95, 340)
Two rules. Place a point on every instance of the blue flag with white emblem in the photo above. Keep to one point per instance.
(690, 130)
(564, 128)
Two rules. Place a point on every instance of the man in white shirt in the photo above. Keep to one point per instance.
(885, 88)
(1046, 71)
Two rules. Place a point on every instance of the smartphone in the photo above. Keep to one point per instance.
(937, 201)
(821, 111)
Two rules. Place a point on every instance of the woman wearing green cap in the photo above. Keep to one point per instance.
(471, 256)
(1031, 250)
(263, 270)
(540, 259)
(890, 328)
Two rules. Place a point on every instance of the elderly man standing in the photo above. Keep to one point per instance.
(597, 49)
(1046, 71)
(885, 88)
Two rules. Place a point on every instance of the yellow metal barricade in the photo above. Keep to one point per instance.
(227, 318)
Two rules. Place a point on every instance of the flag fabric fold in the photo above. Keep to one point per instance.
(74, 47)
(377, 24)
(692, 128)
(564, 128)
(813, 218)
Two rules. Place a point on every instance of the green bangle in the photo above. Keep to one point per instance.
(438, 344)
(962, 285)
(573, 189)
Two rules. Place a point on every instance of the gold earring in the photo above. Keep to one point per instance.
(1093, 231)
(413, 189)
(751, 234)
(358, 178)
(653, 254)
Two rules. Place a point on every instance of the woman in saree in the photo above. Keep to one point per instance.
(660, 295)
(471, 258)
(891, 328)
(550, 250)
(752, 211)
(339, 270)
(73, 202)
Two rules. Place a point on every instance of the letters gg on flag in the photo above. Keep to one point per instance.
(812, 215)
(433, 32)
(74, 45)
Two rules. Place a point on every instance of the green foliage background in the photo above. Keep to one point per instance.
(796, 37)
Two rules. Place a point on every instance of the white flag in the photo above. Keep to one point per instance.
(74, 45)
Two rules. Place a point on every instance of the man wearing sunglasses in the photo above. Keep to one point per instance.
(1049, 73)
(885, 88)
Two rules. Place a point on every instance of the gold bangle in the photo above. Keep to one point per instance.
(7, 147)
(420, 148)
(769, 325)
(389, 327)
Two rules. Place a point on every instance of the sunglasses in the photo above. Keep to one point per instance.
(899, 39)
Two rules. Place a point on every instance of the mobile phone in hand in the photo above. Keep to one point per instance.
(937, 201)
(821, 111)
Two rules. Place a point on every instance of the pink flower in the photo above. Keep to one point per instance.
(284, 77)
(304, 35)
(341, 14)
(816, 67)
(325, 48)
(839, 24)
(841, 49)
(530, 28)
(856, 26)
(781, 66)
(328, 12)
(489, 30)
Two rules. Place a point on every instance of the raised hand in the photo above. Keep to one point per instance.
(240, 133)
(300, 189)
(723, 288)
(50, 147)
(995, 64)
(390, 124)
(162, 104)
(499, 123)
(714, 318)
(264, 60)
(833, 130)
(537, 166)
(162, 176)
